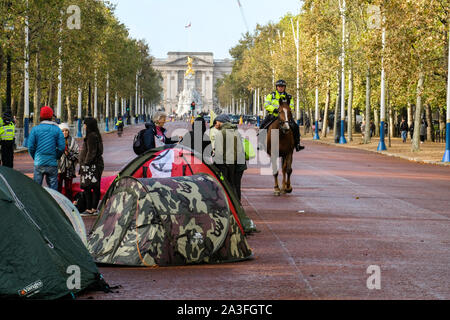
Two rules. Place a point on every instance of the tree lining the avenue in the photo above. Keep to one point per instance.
(83, 42)
(415, 60)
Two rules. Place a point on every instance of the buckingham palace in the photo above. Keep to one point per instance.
(207, 71)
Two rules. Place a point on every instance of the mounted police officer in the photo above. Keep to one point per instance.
(7, 134)
(272, 103)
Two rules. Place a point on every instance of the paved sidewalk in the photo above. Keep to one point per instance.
(430, 152)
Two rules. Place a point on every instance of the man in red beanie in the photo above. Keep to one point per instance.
(46, 145)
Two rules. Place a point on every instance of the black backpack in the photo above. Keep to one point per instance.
(138, 142)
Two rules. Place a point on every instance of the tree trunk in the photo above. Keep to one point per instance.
(69, 112)
(50, 94)
(325, 112)
(376, 121)
(336, 132)
(410, 117)
(442, 122)
(350, 106)
(430, 127)
(367, 120)
(20, 107)
(1, 71)
(415, 146)
(37, 90)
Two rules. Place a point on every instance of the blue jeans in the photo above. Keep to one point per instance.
(404, 135)
(50, 173)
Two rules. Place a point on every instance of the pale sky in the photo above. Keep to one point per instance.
(216, 25)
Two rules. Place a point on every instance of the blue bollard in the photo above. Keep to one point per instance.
(80, 133)
(446, 157)
(316, 131)
(381, 144)
(342, 139)
(26, 131)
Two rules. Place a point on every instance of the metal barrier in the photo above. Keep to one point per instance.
(19, 136)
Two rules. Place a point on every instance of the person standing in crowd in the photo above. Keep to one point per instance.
(46, 144)
(404, 129)
(212, 134)
(7, 134)
(195, 139)
(423, 131)
(91, 165)
(411, 130)
(229, 154)
(119, 125)
(67, 162)
(155, 135)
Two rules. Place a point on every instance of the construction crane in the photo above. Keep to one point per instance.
(243, 15)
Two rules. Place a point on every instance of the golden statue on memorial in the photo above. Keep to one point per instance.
(189, 70)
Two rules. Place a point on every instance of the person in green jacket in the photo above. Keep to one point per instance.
(7, 134)
(229, 154)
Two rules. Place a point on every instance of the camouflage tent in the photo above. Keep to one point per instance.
(179, 160)
(166, 221)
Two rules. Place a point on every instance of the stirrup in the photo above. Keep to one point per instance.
(299, 148)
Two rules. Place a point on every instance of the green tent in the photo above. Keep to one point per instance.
(41, 255)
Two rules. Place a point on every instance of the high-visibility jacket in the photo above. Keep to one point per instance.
(7, 132)
(272, 102)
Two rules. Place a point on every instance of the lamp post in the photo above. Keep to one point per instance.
(446, 157)
(297, 46)
(26, 85)
(316, 129)
(342, 7)
(8, 27)
(381, 144)
(107, 104)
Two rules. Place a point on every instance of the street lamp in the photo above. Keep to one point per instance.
(342, 7)
(8, 27)
(446, 157)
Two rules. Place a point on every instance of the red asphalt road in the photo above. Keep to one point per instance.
(349, 209)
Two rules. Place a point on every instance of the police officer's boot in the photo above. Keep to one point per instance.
(296, 133)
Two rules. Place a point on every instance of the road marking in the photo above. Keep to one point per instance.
(286, 251)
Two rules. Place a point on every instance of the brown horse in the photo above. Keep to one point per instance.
(286, 147)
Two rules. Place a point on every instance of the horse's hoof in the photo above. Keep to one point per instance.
(276, 193)
(288, 190)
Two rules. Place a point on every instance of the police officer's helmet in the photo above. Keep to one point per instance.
(280, 83)
(7, 116)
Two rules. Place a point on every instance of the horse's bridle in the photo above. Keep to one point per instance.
(283, 122)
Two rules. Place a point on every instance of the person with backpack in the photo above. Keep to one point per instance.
(229, 154)
(154, 135)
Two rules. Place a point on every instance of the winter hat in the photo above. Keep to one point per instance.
(64, 126)
(222, 118)
(46, 113)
